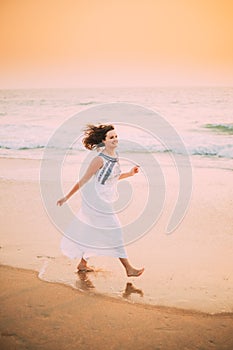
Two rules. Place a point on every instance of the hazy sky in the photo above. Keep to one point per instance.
(56, 43)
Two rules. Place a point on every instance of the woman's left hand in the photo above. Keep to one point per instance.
(134, 170)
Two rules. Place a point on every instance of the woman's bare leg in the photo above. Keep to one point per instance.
(130, 270)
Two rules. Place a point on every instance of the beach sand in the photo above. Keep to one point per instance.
(182, 301)
(40, 315)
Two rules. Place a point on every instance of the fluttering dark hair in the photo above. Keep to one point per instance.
(95, 134)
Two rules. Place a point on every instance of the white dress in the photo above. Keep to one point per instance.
(96, 229)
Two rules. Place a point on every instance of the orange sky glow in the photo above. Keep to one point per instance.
(100, 43)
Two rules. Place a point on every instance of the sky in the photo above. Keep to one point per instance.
(108, 43)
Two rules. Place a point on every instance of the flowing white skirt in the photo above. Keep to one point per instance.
(94, 233)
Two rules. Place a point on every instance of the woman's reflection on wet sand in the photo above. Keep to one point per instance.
(131, 289)
(84, 283)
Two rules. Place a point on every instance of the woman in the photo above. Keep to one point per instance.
(96, 230)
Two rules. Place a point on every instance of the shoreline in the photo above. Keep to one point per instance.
(48, 315)
(160, 308)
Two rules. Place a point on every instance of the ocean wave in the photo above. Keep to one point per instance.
(214, 150)
(23, 148)
(221, 151)
(221, 128)
(87, 103)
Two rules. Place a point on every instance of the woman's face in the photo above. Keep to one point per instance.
(111, 140)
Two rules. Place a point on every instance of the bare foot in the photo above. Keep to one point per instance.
(134, 272)
(84, 268)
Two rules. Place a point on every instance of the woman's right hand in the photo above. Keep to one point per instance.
(61, 201)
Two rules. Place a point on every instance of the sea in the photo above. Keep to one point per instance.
(201, 116)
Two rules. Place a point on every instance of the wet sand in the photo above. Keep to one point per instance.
(40, 315)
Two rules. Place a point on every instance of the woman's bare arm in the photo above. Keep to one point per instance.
(132, 172)
(95, 165)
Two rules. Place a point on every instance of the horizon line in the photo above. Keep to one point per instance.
(119, 87)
